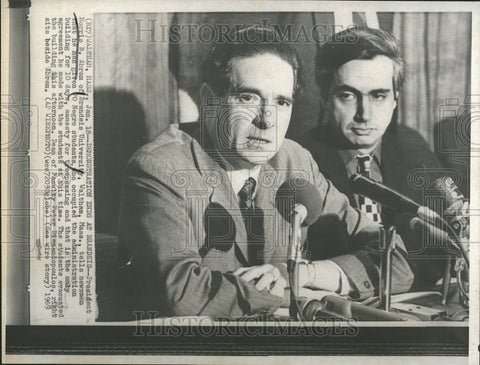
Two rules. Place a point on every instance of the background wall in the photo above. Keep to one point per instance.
(134, 100)
(436, 49)
(143, 82)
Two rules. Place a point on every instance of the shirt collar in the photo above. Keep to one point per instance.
(348, 155)
(238, 177)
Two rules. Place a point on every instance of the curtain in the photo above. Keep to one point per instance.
(436, 49)
(135, 98)
(131, 60)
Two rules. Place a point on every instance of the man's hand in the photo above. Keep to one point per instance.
(323, 275)
(264, 277)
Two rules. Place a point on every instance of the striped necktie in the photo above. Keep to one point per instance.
(367, 205)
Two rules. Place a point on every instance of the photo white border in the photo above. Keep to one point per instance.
(83, 8)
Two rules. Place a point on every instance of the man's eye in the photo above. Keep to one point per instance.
(284, 103)
(379, 96)
(247, 98)
(346, 96)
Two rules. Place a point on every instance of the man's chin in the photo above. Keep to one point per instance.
(257, 158)
(362, 141)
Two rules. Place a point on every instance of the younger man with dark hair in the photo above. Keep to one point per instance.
(360, 72)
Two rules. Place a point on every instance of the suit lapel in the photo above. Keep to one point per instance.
(397, 163)
(393, 174)
(338, 175)
(276, 232)
(221, 192)
(330, 163)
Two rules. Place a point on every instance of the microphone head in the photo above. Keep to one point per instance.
(362, 185)
(301, 210)
(453, 210)
(416, 224)
(299, 191)
(436, 237)
(382, 194)
(454, 198)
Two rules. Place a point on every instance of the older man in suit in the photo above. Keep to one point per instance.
(360, 72)
(199, 228)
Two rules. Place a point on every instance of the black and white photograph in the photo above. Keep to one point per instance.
(218, 182)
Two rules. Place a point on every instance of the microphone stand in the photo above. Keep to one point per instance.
(294, 257)
(456, 233)
(293, 279)
(386, 246)
(446, 280)
(389, 197)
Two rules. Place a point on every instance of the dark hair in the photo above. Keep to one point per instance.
(356, 43)
(248, 42)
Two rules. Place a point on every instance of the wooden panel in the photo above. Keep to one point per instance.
(135, 99)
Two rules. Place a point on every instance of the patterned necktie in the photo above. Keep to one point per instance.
(253, 218)
(367, 205)
(245, 194)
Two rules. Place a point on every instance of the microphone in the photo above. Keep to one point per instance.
(298, 217)
(299, 202)
(441, 239)
(389, 197)
(335, 307)
(457, 225)
(294, 192)
(454, 201)
(439, 236)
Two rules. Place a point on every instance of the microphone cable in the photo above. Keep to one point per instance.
(455, 239)
(295, 299)
(439, 221)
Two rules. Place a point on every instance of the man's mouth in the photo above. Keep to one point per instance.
(258, 139)
(362, 131)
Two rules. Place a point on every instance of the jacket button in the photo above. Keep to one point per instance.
(367, 284)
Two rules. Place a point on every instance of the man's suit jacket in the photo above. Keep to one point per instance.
(182, 233)
(403, 151)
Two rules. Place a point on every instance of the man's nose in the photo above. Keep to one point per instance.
(265, 117)
(364, 110)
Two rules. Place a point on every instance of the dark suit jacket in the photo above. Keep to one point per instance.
(182, 232)
(403, 151)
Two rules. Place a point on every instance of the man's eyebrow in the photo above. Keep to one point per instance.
(353, 90)
(344, 87)
(285, 98)
(382, 91)
(247, 89)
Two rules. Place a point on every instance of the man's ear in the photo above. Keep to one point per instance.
(206, 93)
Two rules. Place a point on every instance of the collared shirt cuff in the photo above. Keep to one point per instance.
(329, 276)
(344, 287)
